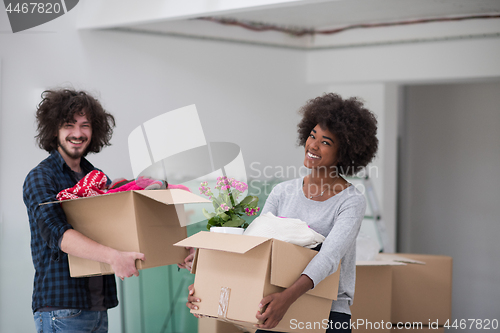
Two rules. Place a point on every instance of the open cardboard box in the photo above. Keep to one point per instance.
(401, 288)
(148, 222)
(237, 271)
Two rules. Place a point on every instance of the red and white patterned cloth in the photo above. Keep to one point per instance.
(91, 185)
(94, 183)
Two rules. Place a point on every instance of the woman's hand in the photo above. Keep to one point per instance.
(191, 300)
(188, 261)
(275, 305)
(272, 308)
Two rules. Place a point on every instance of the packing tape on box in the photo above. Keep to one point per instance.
(224, 302)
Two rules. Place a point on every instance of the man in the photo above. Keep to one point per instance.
(70, 125)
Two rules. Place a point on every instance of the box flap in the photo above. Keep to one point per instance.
(195, 262)
(157, 228)
(289, 261)
(379, 263)
(222, 242)
(397, 258)
(389, 259)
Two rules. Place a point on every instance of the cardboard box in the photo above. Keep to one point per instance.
(238, 271)
(148, 222)
(422, 293)
(212, 325)
(373, 293)
(374, 288)
(403, 288)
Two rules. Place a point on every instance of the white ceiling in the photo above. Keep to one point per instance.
(328, 14)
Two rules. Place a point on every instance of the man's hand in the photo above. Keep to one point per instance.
(123, 264)
(192, 299)
(188, 261)
(275, 305)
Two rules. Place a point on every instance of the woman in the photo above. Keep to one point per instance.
(339, 137)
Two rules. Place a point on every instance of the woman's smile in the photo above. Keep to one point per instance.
(321, 149)
(312, 156)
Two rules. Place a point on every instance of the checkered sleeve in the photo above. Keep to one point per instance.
(40, 188)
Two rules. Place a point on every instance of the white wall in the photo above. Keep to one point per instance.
(450, 187)
(246, 95)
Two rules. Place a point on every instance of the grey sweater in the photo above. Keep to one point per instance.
(338, 219)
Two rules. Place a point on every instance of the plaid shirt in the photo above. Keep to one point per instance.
(53, 286)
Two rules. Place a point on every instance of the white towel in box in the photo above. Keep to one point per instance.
(284, 229)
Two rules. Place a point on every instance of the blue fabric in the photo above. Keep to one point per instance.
(53, 285)
(71, 321)
(339, 322)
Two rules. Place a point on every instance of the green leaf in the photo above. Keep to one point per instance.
(216, 205)
(240, 220)
(231, 223)
(247, 200)
(239, 209)
(236, 222)
(250, 201)
(215, 221)
(224, 216)
(207, 214)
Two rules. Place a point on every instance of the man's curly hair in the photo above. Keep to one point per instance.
(354, 126)
(60, 106)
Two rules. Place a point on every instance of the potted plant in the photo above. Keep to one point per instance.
(228, 211)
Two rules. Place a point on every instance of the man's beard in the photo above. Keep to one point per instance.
(77, 154)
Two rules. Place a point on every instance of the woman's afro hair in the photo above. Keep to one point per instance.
(354, 126)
